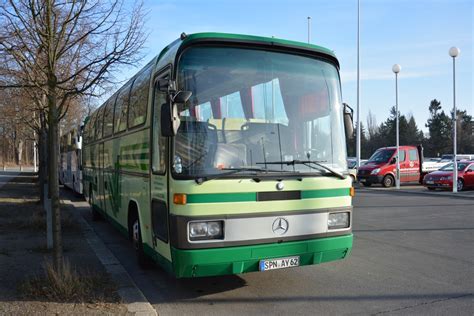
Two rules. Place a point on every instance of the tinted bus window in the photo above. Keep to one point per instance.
(109, 117)
(139, 99)
(98, 123)
(92, 127)
(121, 109)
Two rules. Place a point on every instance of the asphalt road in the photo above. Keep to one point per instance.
(6, 176)
(413, 254)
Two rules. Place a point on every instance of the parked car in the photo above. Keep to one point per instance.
(352, 167)
(381, 166)
(443, 178)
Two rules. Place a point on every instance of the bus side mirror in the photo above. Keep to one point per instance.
(169, 119)
(169, 113)
(348, 121)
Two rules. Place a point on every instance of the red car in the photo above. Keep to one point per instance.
(443, 178)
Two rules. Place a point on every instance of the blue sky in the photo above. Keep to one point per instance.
(416, 34)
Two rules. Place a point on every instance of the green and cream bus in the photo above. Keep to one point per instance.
(226, 154)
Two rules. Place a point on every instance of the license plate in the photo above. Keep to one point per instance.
(362, 180)
(429, 182)
(279, 263)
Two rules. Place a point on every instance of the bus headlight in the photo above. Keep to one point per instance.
(206, 230)
(338, 220)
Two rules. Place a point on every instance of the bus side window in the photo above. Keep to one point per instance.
(98, 123)
(109, 116)
(92, 128)
(139, 99)
(159, 142)
(121, 109)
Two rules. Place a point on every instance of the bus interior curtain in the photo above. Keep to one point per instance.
(247, 102)
(289, 102)
(216, 108)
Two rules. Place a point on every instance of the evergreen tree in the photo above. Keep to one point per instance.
(351, 145)
(440, 128)
(465, 133)
(413, 134)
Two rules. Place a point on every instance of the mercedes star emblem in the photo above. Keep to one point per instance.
(280, 226)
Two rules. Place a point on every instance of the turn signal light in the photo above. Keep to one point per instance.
(352, 191)
(179, 198)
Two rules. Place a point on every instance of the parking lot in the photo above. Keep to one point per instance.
(419, 189)
(412, 255)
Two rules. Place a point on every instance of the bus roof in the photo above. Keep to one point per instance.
(211, 37)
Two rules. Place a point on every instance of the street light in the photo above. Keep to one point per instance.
(454, 52)
(396, 69)
(358, 144)
(309, 29)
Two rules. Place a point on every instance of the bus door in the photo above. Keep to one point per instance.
(159, 178)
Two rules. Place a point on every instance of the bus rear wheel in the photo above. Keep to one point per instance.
(95, 214)
(388, 181)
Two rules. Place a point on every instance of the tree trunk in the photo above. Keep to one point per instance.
(43, 158)
(53, 120)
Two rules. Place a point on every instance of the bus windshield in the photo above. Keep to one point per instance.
(252, 107)
(382, 155)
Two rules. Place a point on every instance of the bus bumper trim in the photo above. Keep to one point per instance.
(242, 259)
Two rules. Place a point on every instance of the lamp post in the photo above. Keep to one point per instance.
(454, 52)
(309, 29)
(396, 69)
(358, 88)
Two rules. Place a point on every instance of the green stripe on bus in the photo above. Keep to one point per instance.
(314, 194)
(143, 167)
(134, 147)
(221, 197)
(252, 196)
(135, 156)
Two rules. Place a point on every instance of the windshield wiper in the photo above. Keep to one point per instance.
(306, 163)
(230, 171)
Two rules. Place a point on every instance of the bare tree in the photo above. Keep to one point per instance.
(63, 50)
(372, 126)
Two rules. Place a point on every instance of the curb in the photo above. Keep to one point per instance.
(131, 296)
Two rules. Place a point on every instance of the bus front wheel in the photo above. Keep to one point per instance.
(95, 214)
(142, 259)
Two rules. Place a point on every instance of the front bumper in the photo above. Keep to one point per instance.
(369, 179)
(241, 259)
(444, 184)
